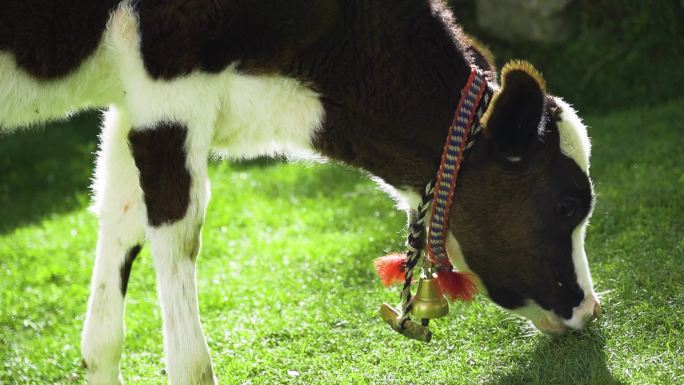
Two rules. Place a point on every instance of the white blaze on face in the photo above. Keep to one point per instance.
(574, 143)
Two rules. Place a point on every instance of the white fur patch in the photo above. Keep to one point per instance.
(456, 255)
(574, 140)
(267, 115)
(579, 259)
(26, 101)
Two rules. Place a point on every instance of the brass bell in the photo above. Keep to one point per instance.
(429, 303)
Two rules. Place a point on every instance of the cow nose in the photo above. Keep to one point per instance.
(588, 310)
(595, 306)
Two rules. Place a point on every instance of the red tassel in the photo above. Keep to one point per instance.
(391, 268)
(457, 285)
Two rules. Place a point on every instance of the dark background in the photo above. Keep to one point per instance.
(618, 53)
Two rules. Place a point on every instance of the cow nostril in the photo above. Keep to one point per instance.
(597, 310)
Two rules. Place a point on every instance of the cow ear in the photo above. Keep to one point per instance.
(514, 116)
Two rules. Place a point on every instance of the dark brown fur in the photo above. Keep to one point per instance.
(50, 39)
(181, 36)
(159, 154)
(126, 267)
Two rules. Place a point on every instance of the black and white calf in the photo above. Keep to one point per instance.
(370, 83)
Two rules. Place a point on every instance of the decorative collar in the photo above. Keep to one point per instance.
(438, 195)
(461, 135)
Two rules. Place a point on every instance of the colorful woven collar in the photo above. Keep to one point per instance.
(461, 136)
(438, 194)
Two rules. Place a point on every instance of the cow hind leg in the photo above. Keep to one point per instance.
(174, 180)
(119, 205)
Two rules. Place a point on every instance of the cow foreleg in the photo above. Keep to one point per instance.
(122, 219)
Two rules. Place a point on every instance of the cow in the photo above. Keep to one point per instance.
(372, 84)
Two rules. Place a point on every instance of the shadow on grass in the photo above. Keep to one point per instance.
(46, 171)
(578, 358)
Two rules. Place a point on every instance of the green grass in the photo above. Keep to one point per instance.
(286, 279)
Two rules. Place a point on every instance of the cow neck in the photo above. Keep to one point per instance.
(437, 198)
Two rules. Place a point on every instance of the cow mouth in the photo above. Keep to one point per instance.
(551, 324)
(543, 320)
(586, 311)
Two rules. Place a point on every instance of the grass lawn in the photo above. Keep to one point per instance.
(287, 289)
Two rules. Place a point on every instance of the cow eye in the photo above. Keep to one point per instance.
(567, 207)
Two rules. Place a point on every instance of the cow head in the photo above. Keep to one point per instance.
(522, 204)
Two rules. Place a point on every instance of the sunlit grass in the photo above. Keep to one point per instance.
(287, 289)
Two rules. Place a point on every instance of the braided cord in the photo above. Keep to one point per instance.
(415, 243)
(416, 239)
